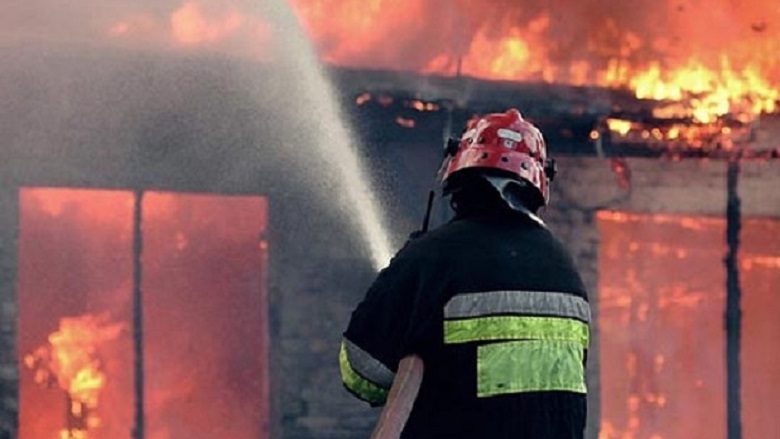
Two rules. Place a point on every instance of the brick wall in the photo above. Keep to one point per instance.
(694, 187)
(9, 382)
(315, 312)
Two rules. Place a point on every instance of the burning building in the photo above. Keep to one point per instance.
(156, 178)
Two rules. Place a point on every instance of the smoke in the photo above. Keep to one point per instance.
(423, 34)
(229, 26)
(566, 40)
(188, 102)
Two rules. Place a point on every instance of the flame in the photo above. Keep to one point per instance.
(90, 232)
(422, 105)
(673, 136)
(196, 24)
(70, 360)
(683, 61)
(360, 32)
(710, 93)
(509, 55)
(191, 25)
(619, 126)
(645, 290)
(665, 51)
(664, 326)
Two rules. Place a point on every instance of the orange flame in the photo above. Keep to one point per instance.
(70, 360)
(683, 61)
(509, 55)
(191, 25)
(665, 51)
(710, 93)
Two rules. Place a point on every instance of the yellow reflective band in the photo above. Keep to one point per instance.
(515, 328)
(530, 366)
(367, 366)
(361, 387)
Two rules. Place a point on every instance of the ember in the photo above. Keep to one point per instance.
(405, 122)
(422, 105)
(671, 135)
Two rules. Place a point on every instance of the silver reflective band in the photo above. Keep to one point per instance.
(509, 134)
(518, 302)
(367, 366)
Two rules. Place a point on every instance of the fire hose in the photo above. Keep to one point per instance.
(403, 393)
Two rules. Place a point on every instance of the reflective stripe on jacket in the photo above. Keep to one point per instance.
(499, 315)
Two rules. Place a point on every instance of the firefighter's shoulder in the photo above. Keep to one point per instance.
(427, 245)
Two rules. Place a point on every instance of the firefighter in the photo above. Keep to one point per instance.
(480, 328)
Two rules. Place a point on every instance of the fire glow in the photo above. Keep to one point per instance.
(71, 361)
(666, 52)
(709, 93)
(200, 348)
(702, 59)
(672, 135)
(718, 54)
(661, 303)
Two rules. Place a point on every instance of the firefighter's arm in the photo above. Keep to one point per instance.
(400, 401)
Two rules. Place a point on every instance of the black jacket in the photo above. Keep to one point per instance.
(496, 310)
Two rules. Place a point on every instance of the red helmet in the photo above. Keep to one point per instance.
(504, 142)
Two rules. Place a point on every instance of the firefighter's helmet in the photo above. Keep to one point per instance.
(504, 144)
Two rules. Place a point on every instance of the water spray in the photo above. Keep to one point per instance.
(332, 137)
